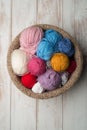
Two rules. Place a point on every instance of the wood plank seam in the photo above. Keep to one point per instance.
(9, 44)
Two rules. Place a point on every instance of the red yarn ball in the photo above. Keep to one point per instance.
(72, 66)
(28, 80)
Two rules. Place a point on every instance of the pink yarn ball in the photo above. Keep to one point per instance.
(30, 38)
(37, 66)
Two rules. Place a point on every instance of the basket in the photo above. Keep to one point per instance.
(74, 77)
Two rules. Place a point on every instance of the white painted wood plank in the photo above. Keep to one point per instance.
(68, 16)
(49, 114)
(46, 12)
(81, 23)
(74, 101)
(23, 108)
(24, 15)
(49, 111)
(4, 78)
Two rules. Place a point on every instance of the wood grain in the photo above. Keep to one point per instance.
(46, 12)
(4, 77)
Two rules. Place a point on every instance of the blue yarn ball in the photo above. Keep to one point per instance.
(65, 46)
(52, 36)
(56, 48)
(44, 50)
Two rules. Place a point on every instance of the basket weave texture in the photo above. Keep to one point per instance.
(74, 77)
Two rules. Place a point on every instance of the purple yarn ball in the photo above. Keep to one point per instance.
(50, 79)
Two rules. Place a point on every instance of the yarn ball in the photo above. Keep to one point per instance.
(19, 61)
(37, 66)
(30, 38)
(59, 62)
(49, 80)
(65, 46)
(48, 64)
(72, 66)
(37, 88)
(52, 36)
(28, 80)
(45, 50)
(64, 78)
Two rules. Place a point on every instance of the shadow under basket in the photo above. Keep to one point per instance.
(49, 94)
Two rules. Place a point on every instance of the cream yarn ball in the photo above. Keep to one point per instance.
(19, 62)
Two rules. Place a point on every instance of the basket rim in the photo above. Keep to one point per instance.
(74, 77)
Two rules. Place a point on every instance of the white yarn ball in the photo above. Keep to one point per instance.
(37, 88)
(64, 77)
(19, 62)
(48, 64)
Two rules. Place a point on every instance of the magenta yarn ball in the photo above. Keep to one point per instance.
(37, 66)
(30, 38)
(50, 79)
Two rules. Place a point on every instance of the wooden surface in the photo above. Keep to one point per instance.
(19, 112)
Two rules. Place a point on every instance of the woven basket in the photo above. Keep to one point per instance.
(58, 91)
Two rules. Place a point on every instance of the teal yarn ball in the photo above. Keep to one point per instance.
(44, 50)
(66, 46)
(52, 36)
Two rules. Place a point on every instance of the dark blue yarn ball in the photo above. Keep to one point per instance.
(66, 46)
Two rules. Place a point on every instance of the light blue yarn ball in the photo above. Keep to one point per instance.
(66, 46)
(45, 50)
(52, 36)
